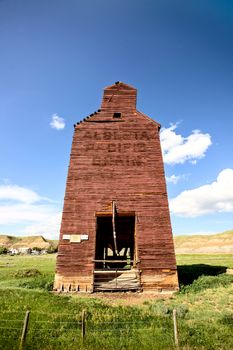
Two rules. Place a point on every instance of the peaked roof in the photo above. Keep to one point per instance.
(119, 96)
(120, 84)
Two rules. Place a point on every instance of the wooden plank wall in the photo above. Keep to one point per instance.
(117, 159)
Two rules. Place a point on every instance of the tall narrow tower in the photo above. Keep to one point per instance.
(116, 231)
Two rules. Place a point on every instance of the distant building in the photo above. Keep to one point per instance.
(13, 251)
(24, 250)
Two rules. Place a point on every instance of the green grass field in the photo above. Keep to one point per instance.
(204, 307)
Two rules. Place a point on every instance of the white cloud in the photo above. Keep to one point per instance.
(212, 198)
(50, 227)
(17, 193)
(178, 149)
(57, 122)
(26, 208)
(19, 213)
(173, 178)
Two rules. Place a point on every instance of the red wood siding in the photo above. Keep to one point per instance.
(121, 160)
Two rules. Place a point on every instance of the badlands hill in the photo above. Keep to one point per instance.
(27, 241)
(221, 243)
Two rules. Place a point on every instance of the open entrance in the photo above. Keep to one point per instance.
(119, 255)
(115, 263)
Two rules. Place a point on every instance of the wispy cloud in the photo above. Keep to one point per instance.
(178, 149)
(49, 227)
(215, 197)
(173, 178)
(26, 208)
(57, 122)
(17, 193)
(24, 213)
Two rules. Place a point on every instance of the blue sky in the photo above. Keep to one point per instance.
(56, 58)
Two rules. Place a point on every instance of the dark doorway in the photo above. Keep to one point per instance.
(118, 254)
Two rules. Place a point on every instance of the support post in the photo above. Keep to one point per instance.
(83, 324)
(104, 264)
(24, 330)
(114, 227)
(116, 278)
(175, 329)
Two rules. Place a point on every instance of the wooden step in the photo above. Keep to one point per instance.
(110, 280)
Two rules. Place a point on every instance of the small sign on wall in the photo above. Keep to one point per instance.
(76, 238)
(84, 237)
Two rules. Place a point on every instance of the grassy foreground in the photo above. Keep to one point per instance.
(204, 307)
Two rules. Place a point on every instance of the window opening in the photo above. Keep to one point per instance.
(117, 115)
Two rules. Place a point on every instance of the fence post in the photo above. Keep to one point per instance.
(175, 329)
(24, 330)
(83, 324)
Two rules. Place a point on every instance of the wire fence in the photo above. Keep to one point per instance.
(21, 330)
(85, 330)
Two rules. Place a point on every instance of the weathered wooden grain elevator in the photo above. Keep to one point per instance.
(116, 231)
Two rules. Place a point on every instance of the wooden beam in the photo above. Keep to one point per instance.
(114, 227)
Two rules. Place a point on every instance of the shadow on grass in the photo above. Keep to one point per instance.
(188, 273)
